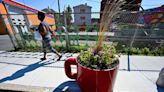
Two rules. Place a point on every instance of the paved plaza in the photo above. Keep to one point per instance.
(23, 71)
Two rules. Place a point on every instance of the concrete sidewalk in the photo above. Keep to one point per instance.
(25, 72)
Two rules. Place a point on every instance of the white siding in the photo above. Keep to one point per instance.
(78, 15)
(17, 19)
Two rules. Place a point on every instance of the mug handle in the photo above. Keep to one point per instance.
(67, 66)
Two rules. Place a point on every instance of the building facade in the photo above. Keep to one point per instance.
(154, 17)
(82, 16)
(16, 17)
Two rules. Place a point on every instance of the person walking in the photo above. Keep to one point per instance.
(46, 34)
(160, 81)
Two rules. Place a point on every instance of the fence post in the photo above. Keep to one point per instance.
(77, 37)
(66, 31)
(129, 59)
(9, 34)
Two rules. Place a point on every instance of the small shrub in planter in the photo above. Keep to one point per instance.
(104, 59)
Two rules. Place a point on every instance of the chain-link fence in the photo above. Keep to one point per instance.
(137, 29)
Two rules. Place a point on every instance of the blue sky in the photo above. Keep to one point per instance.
(54, 4)
(40, 4)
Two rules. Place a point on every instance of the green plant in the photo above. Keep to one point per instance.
(135, 51)
(103, 56)
(34, 47)
(104, 59)
(146, 51)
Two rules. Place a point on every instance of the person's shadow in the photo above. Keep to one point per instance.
(21, 72)
(69, 86)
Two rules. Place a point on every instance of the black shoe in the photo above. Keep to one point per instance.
(43, 59)
(59, 57)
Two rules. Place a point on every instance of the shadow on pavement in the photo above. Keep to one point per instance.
(141, 70)
(22, 72)
(69, 86)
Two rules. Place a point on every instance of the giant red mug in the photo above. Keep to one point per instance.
(91, 80)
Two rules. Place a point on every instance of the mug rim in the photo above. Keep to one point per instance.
(116, 66)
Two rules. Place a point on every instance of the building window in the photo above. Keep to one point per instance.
(82, 10)
(82, 18)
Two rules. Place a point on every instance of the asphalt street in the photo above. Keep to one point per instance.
(5, 43)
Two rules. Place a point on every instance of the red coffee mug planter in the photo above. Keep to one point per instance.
(93, 78)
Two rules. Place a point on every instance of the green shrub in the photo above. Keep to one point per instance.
(145, 51)
(102, 60)
(125, 50)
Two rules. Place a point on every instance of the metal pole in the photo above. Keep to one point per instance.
(59, 9)
(66, 32)
(131, 44)
(129, 59)
(9, 34)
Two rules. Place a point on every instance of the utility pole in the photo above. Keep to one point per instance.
(59, 9)
(66, 31)
(133, 38)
